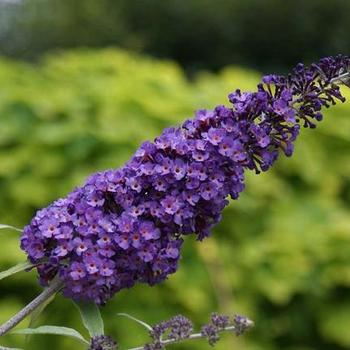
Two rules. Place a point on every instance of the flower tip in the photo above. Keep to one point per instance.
(242, 324)
(250, 323)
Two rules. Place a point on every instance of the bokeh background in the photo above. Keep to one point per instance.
(83, 83)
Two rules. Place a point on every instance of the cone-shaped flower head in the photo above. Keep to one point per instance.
(127, 225)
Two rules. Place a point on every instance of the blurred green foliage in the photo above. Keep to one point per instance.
(199, 34)
(281, 254)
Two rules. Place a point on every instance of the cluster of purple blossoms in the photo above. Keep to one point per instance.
(127, 225)
(219, 323)
(178, 327)
(241, 324)
(102, 342)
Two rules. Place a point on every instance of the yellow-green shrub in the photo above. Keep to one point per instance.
(282, 252)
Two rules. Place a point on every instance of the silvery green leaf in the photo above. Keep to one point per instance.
(91, 316)
(147, 326)
(56, 330)
(17, 268)
(2, 226)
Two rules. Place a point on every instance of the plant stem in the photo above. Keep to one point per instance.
(54, 287)
(341, 77)
(192, 336)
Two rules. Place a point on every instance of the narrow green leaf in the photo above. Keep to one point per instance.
(2, 226)
(56, 330)
(91, 316)
(144, 324)
(14, 269)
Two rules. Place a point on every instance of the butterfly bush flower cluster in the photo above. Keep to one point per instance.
(180, 328)
(127, 225)
(219, 323)
(102, 342)
(177, 328)
(211, 330)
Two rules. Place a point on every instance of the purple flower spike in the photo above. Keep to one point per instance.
(127, 225)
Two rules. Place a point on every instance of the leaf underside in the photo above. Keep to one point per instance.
(17, 268)
(144, 324)
(55, 330)
(91, 317)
